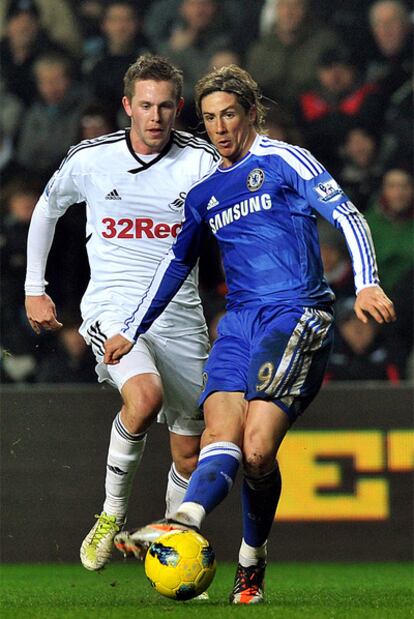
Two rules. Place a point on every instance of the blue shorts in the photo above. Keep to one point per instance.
(271, 353)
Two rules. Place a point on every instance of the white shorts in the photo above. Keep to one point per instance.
(178, 361)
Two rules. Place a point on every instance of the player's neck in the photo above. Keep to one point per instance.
(142, 148)
(245, 146)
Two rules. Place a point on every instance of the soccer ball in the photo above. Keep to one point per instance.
(180, 564)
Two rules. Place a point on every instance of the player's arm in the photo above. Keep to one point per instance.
(168, 279)
(371, 299)
(58, 195)
(326, 197)
(40, 309)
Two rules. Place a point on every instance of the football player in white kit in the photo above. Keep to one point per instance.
(134, 183)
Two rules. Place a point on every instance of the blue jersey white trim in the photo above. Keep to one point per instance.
(219, 449)
(262, 211)
(361, 247)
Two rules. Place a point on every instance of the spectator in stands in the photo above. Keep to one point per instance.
(72, 361)
(361, 351)
(122, 42)
(281, 126)
(396, 145)
(196, 35)
(57, 18)
(348, 18)
(50, 125)
(360, 170)
(339, 100)
(401, 334)
(11, 110)
(335, 259)
(18, 203)
(224, 57)
(391, 64)
(233, 18)
(391, 221)
(89, 14)
(22, 43)
(284, 61)
(95, 121)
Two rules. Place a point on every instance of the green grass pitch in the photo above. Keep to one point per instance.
(293, 591)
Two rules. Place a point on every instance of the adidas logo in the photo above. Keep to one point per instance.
(212, 203)
(113, 195)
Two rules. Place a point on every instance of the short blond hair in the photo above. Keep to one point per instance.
(157, 68)
(235, 80)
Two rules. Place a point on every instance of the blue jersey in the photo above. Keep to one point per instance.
(262, 211)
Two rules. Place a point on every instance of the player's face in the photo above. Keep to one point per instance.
(152, 109)
(229, 127)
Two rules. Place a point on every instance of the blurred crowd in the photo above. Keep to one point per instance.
(337, 79)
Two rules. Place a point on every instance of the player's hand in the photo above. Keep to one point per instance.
(41, 313)
(115, 348)
(374, 302)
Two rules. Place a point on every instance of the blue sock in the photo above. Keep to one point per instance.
(260, 498)
(215, 474)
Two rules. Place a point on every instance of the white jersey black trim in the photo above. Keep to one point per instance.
(194, 142)
(145, 164)
(110, 138)
(97, 338)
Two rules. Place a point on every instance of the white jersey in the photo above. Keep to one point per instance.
(134, 211)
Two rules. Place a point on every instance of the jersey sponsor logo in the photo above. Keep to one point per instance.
(242, 209)
(329, 191)
(113, 195)
(255, 179)
(138, 228)
(178, 203)
(212, 202)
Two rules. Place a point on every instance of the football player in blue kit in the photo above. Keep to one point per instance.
(269, 360)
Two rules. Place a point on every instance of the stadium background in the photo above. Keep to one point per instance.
(347, 465)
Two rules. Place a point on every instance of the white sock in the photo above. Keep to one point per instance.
(249, 555)
(176, 489)
(124, 455)
(190, 513)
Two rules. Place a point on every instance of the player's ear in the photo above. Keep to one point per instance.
(127, 106)
(180, 106)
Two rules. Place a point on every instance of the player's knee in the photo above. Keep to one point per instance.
(140, 409)
(256, 465)
(258, 459)
(186, 464)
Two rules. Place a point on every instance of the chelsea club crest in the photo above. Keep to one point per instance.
(255, 179)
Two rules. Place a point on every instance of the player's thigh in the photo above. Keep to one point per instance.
(289, 358)
(142, 401)
(266, 427)
(224, 415)
(140, 360)
(180, 360)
